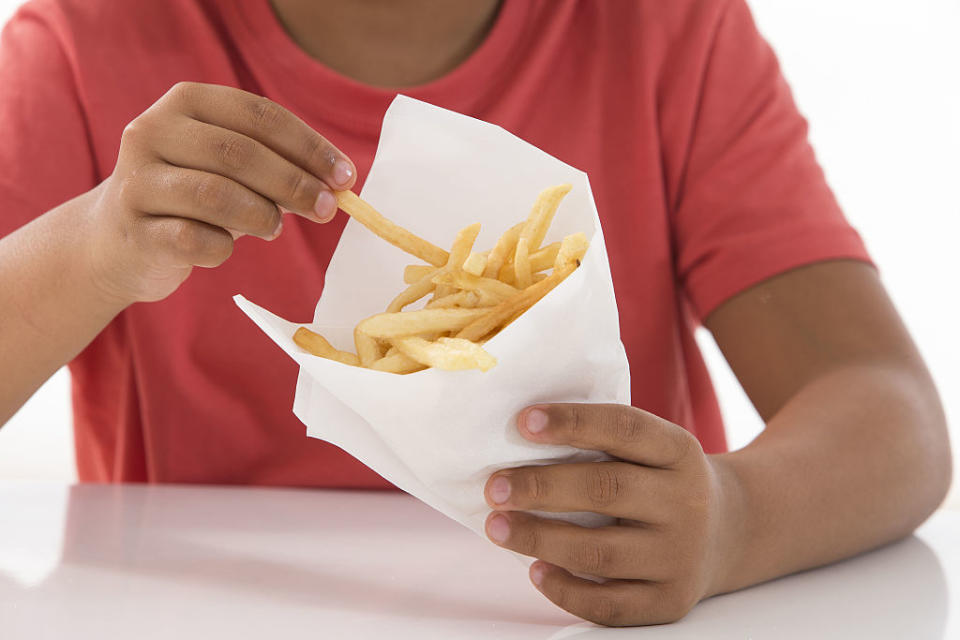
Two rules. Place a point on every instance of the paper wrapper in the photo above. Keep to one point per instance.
(440, 434)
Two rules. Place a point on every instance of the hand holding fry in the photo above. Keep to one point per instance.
(201, 167)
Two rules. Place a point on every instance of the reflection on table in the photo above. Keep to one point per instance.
(161, 561)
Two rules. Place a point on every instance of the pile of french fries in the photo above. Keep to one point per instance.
(474, 295)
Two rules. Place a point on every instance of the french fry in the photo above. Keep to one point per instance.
(413, 293)
(486, 299)
(419, 289)
(572, 250)
(397, 362)
(396, 235)
(459, 252)
(472, 301)
(504, 247)
(367, 348)
(317, 345)
(464, 280)
(475, 294)
(544, 258)
(458, 300)
(535, 228)
(504, 311)
(462, 246)
(464, 299)
(539, 261)
(476, 263)
(521, 264)
(397, 325)
(415, 272)
(451, 354)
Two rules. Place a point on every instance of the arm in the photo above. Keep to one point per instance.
(203, 166)
(50, 309)
(855, 454)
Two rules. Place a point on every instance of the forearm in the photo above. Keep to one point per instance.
(50, 307)
(855, 459)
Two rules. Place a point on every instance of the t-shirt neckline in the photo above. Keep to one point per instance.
(322, 92)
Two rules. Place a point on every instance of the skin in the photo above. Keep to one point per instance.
(195, 171)
(386, 43)
(855, 450)
(198, 169)
(854, 455)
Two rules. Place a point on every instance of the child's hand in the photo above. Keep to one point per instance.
(664, 554)
(199, 168)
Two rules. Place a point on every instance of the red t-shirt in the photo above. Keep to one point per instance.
(697, 156)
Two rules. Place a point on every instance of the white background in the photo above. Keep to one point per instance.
(880, 83)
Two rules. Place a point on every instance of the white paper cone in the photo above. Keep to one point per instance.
(439, 434)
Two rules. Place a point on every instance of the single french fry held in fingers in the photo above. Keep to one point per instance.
(475, 294)
(396, 235)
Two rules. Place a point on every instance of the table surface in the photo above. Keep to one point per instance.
(209, 562)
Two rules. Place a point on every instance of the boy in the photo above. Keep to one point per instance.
(142, 140)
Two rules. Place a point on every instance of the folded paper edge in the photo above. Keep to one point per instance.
(412, 485)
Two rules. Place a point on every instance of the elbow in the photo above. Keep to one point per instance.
(941, 464)
(927, 437)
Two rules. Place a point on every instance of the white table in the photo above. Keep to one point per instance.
(178, 562)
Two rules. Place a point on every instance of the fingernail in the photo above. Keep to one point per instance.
(276, 232)
(499, 490)
(342, 172)
(498, 529)
(325, 207)
(535, 421)
(536, 573)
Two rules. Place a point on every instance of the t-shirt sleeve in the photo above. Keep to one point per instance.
(751, 200)
(45, 154)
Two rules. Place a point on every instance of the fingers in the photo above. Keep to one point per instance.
(162, 189)
(624, 432)
(268, 123)
(617, 489)
(196, 145)
(616, 603)
(185, 242)
(611, 552)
